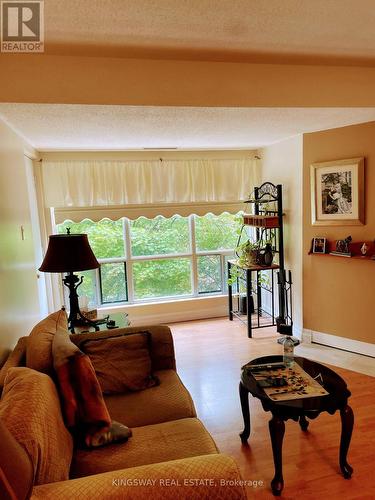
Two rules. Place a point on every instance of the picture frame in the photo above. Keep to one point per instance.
(337, 192)
(319, 245)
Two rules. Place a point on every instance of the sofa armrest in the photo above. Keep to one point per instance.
(208, 476)
(162, 349)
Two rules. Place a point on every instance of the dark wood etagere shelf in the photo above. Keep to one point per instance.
(264, 212)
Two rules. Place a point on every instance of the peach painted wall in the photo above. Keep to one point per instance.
(19, 303)
(282, 164)
(339, 293)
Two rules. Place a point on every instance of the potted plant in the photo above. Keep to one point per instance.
(247, 253)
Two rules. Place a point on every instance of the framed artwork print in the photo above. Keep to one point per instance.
(319, 245)
(337, 192)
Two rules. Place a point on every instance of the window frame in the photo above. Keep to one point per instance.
(128, 260)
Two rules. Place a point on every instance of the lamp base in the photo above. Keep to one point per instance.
(76, 318)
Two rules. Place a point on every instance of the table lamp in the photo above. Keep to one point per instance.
(67, 253)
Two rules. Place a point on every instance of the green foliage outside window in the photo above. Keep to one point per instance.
(158, 236)
(162, 278)
(214, 232)
(106, 237)
(113, 281)
(209, 274)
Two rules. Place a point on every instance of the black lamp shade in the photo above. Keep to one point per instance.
(68, 253)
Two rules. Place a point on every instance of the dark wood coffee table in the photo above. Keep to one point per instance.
(299, 410)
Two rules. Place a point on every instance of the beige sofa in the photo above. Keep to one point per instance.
(170, 454)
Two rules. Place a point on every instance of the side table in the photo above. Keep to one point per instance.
(120, 320)
(299, 410)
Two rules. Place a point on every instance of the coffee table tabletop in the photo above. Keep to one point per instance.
(299, 410)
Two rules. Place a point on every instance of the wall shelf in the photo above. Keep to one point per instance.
(355, 249)
(266, 221)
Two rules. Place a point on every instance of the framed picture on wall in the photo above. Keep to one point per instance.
(319, 245)
(337, 192)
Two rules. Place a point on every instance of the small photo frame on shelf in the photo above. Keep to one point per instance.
(337, 192)
(319, 245)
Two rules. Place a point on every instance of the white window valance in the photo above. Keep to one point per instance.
(113, 189)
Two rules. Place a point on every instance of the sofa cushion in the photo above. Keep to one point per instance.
(207, 477)
(84, 408)
(16, 469)
(150, 444)
(122, 363)
(161, 349)
(168, 401)
(30, 409)
(15, 358)
(39, 344)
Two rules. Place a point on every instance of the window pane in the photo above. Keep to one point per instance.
(159, 236)
(86, 289)
(216, 232)
(113, 282)
(105, 237)
(226, 258)
(162, 278)
(209, 274)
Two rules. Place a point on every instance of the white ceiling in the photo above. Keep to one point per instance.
(213, 29)
(92, 127)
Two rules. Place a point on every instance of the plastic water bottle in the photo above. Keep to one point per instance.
(288, 357)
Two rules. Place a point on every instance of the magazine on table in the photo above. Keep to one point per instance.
(284, 384)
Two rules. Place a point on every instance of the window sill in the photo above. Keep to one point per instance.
(172, 310)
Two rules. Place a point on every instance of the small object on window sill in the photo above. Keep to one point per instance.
(111, 324)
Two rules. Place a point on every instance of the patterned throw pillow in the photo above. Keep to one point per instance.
(83, 402)
(122, 363)
(85, 411)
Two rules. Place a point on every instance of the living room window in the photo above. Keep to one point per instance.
(144, 260)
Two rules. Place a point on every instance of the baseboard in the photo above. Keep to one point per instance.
(350, 345)
(175, 317)
(306, 336)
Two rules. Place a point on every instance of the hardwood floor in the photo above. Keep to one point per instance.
(209, 356)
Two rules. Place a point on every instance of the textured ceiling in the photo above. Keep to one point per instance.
(299, 30)
(86, 127)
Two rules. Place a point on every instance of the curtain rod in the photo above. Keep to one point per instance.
(32, 158)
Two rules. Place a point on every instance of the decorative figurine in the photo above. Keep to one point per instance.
(364, 249)
(342, 247)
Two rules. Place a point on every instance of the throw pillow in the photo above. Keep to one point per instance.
(30, 410)
(15, 358)
(39, 344)
(85, 411)
(122, 363)
(16, 469)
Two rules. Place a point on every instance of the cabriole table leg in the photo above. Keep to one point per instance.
(347, 421)
(244, 397)
(277, 430)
